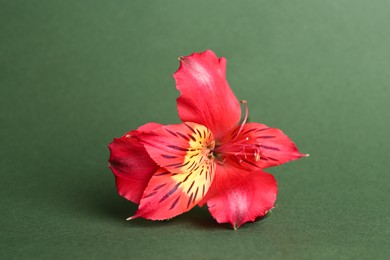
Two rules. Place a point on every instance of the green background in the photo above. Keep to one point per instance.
(75, 74)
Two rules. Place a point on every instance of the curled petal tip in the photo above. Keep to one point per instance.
(129, 218)
(235, 226)
(306, 155)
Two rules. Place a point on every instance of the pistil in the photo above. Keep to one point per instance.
(243, 121)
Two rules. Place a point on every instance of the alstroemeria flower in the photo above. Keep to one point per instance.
(210, 158)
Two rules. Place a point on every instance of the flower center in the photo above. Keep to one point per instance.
(201, 145)
(240, 151)
(237, 146)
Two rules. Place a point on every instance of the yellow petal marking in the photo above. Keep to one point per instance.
(197, 172)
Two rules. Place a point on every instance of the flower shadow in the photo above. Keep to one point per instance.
(197, 218)
(102, 201)
(99, 199)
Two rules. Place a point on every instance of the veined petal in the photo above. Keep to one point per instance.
(180, 148)
(205, 96)
(170, 194)
(238, 196)
(259, 146)
(131, 164)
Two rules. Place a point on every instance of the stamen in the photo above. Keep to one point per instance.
(240, 150)
(244, 121)
(257, 156)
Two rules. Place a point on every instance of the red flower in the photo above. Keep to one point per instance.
(208, 159)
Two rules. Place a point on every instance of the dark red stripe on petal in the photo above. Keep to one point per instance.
(170, 192)
(186, 178)
(251, 163)
(159, 186)
(234, 132)
(266, 136)
(192, 138)
(248, 131)
(174, 203)
(269, 147)
(189, 189)
(150, 194)
(183, 136)
(189, 200)
(185, 164)
(168, 156)
(177, 148)
(263, 129)
(200, 160)
(176, 165)
(203, 191)
(192, 165)
(171, 132)
(190, 127)
(196, 194)
(163, 173)
(192, 156)
(272, 159)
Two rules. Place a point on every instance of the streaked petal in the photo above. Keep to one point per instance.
(170, 194)
(131, 164)
(259, 146)
(205, 96)
(180, 148)
(237, 196)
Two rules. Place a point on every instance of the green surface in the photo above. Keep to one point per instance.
(75, 74)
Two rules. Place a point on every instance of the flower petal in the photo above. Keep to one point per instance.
(148, 127)
(131, 164)
(170, 194)
(237, 196)
(205, 96)
(180, 148)
(259, 146)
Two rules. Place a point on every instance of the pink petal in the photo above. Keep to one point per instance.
(237, 196)
(180, 148)
(205, 96)
(131, 164)
(170, 194)
(259, 146)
